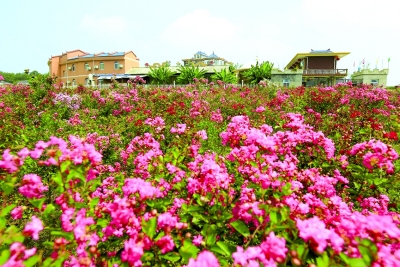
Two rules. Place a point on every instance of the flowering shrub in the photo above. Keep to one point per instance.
(288, 180)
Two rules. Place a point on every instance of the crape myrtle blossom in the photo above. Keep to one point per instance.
(270, 252)
(18, 254)
(33, 228)
(204, 259)
(376, 154)
(180, 128)
(314, 230)
(157, 122)
(217, 116)
(32, 186)
(16, 213)
(143, 150)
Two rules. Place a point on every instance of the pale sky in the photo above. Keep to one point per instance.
(159, 30)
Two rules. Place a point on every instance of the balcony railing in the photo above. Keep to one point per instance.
(325, 72)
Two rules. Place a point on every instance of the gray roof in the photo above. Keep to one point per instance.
(321, 51)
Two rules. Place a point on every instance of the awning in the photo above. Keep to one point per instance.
(109, 77)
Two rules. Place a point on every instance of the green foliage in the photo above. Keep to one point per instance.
(258, 72)
(18, 77)
(225, 75)
(161, 75)
(188, 73)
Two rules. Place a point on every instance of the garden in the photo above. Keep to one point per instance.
(207, 174)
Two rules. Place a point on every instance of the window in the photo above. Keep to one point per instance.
(102, 65)
(116, 65)
(87, 81)
(73, 82)
(86, 66)
(374, 82)
(73, 67)
(286, 82)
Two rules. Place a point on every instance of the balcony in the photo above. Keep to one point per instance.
(325, 72)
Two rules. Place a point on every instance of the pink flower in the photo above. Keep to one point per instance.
(32, 186)
(274, 247)
(16, 213)
(314, 230)
(132, 253)
(179, 130)
(9, 161)
(204, 259)
(260, 109)
(33, 228)
(197, 240)
(202, 134)
(166, 243)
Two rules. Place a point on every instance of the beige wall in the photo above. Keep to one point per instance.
(294, 77)
(368, 75)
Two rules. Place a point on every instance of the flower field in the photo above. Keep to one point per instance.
(203, 175)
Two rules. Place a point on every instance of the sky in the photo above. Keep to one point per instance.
(239, 31)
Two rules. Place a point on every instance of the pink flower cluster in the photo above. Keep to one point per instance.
(270, 252)
(180, 129)
(18, 254)
(376, 154)
(32, 186)
(157, 122)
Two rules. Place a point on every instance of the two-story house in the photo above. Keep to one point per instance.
(77, 67)
(319, 66)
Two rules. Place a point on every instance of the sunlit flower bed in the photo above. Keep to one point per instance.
(202, 175)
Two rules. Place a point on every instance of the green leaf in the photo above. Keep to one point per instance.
(188, 250)
(93, 203)
(210, 232)
(3, 223)
(241, 227)
(217, 249)
(228, 250)
(149, 227)
(4, 256)
(68, 236)
(37, 203)
(171, 256)
(49, 209)
(102, 222)
(368, 251)
(7, 209)
(356, 262)
(7, 188)
(275, 216)
(323, 261)
(65, 165)
(193, 208)
(31, 261)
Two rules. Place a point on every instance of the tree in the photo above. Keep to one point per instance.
(258, 72)
(225, 75)
(188, 73)
(18, 77)
(161, 75)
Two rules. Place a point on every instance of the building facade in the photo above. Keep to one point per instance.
(77, 67)
(374, 77)
(319, 67)
(202, 59)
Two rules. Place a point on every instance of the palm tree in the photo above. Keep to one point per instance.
(188, 73)
(225, 75)
(258, 72)
(161, 75)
